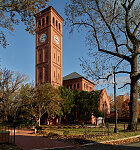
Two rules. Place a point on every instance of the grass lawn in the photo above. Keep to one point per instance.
(95, 134)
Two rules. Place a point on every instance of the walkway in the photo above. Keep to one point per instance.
(27, 140)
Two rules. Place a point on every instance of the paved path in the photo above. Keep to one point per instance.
(26, 140)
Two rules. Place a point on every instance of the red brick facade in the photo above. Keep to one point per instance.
(79, 83)
(104, 103)
(49, 47)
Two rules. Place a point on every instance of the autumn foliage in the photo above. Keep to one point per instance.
(125, 108)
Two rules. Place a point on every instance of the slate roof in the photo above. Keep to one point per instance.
(74, 75)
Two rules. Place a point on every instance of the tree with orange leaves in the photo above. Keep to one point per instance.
(125, 109)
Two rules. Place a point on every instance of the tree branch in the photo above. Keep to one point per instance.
(111, 32)
(123, 72)
(131, 36)
(124, 85)
(116, 54)
(115, 73)
(82, 23)
(136, 29)
(137, 77)
(94, 28)
(129, 48)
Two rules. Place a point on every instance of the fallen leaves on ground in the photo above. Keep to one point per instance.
(123, 141)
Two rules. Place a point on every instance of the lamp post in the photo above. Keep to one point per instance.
(115, 129)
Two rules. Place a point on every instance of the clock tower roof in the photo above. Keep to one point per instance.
(50, 8)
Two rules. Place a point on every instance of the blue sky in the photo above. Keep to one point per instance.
(20, 54)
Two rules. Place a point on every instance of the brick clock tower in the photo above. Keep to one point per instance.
(49, 47)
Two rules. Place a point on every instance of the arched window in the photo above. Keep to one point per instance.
(78, 86)
(40, 74)
(56, 23)
(46, 55)
(43, 21)
(40, 56)
(53, 20)
(46, 73)
(39, 23)
(47, 20)
(54, 74)
(54, 55)
(59, 26)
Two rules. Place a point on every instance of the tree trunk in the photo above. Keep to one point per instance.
(39, 121)
(133, 95)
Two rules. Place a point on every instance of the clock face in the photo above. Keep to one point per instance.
(43, 38)
(56, 39)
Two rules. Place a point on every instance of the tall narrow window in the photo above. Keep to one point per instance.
(56, 23)
(54, 55)
(39, 23)
(70, 86)
(53, 20)
(46, 54)
(78, 86)
(43, 21)
(59, 26)
(74, 86)
(67, 86)
(40, 56)
(40, 74)
(54, 74)
(47, 20)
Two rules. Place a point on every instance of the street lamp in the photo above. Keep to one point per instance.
(115, 129)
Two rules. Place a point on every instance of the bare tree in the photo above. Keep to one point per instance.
(10, 83)
(113, 35)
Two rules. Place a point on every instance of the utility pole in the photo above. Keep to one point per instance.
(115, 129)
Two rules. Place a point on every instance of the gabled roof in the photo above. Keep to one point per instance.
(74, 75)
(100, 91)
